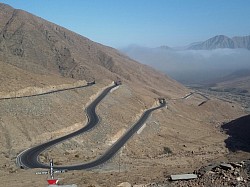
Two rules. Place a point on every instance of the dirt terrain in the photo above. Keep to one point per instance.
(38, 56)
(228, 94)
(234, 87)
(179, 138)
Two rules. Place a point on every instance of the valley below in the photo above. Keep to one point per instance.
(229, 95)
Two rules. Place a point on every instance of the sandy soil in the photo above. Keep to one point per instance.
(191, 132)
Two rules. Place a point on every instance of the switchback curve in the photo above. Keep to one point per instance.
(29, 157)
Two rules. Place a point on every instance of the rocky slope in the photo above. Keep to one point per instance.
(242, 42)
(38, 46)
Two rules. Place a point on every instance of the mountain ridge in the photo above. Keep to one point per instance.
(222, 41)
(35, 45)
(216, 42)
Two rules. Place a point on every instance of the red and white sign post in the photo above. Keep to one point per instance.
(52, 180)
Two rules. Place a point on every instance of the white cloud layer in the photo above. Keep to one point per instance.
(192, 65)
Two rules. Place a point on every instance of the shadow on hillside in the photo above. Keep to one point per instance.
(239, 134)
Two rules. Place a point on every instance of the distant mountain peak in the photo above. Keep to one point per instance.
(222, 41)
(164, 47)
(219, 41)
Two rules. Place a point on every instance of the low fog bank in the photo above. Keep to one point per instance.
(192, 66)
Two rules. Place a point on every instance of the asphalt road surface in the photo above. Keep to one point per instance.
(29, 158)
(116, 146)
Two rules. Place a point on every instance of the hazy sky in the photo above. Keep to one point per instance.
(149, 23)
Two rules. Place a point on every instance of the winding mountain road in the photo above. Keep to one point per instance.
(111, 152)
(29, 157)
(45, 93)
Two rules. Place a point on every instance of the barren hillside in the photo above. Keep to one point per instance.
(38, 46)
(36, 55)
